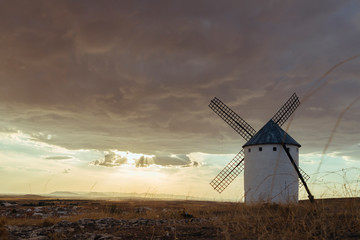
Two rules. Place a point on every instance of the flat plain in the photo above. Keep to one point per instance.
(37, 218)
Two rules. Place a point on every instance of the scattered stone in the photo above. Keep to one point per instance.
(93, 229)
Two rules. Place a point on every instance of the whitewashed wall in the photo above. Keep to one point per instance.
(269, 175)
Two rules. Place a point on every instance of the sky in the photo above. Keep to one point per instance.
(112, 96)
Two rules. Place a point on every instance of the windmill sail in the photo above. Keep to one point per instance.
(229, 173)
(304, 175)
(236, 165)
(231, 118)
(286, 110)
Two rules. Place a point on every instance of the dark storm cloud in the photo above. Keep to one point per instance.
(137, 76)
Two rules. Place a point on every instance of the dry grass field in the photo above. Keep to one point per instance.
(137, 219)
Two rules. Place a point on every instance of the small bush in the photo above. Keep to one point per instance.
(47, 222)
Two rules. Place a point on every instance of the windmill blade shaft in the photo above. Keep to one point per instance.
(311, 197)
(231, 118)
(229, 173)
(286, 110)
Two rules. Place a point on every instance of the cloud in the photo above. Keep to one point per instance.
(144, 162)
(117, 159)
(175, 160)
(114, 75)
(111, 160)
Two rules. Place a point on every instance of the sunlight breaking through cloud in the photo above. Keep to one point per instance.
(117, 158)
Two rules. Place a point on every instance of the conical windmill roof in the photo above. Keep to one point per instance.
(271, 133)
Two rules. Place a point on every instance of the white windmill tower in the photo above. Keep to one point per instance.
(270, 157)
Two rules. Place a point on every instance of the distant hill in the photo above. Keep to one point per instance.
(117, 195)
(63, 194)
(106, 196)
(25, 196)
(32, 196)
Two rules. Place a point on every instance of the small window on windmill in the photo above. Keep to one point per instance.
(288, 149)
(249, 149)
(274, 149)
(260, 149)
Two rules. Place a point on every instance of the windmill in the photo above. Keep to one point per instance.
(269, 158)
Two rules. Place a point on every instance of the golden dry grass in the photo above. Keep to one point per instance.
(327, 219)
(303, 221)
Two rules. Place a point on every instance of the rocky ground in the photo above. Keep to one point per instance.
(55, 219)
(110, 228)
(82, 219)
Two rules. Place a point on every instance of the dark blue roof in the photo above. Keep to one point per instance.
(271, 133)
